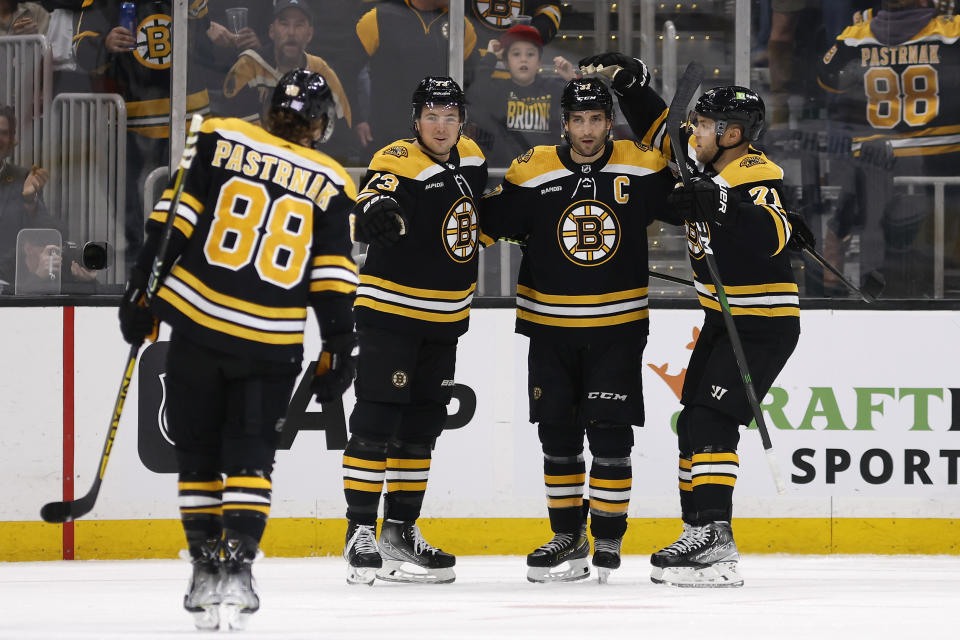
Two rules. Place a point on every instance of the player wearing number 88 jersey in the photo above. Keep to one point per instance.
(261, 232)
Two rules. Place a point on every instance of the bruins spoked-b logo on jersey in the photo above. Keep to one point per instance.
(498, 14)
(589, 233)
(154, 45)
(460, 230)
(698, 238)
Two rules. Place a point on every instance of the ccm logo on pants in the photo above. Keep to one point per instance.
(606, 395)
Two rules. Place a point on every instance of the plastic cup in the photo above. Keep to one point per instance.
(521, 20)
(237, 19)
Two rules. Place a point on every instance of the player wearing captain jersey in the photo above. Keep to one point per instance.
(261, 232)
(581, 211)
(417, 210)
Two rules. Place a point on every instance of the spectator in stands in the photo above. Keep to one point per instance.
(21, 207)
(22, 18)
(250, 82)
(402, 41)
(514, 110)
(137, 66)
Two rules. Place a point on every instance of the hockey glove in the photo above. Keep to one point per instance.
(704, 200)
(801, 237)
(379, 221)
(137, 322)
(622, 71)
(336, 367)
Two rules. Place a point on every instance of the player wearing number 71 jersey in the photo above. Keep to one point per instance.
(261, 233)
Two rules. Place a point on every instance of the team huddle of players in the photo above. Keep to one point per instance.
(265, 227)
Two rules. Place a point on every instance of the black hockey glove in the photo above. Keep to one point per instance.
(704, 200)
(137, 322)
(622, 71)
(379, 221)
(336, 367)
(801, 237)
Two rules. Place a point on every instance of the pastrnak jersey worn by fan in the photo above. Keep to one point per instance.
(896, 74)
(757, 276)
(424, 284)
(262, 229)
(586, 225)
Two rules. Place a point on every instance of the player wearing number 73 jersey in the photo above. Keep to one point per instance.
(895, 75)
(261, 232)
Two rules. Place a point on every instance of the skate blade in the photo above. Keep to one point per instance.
(208, 618)
(399, 571)
(567, 571)
(361, 575)
(722, 575)
(603, 575)
(235, 617)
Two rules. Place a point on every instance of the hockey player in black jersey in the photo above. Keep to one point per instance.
(581, 212)
(734, 204)
(417, 211)
(260, 234)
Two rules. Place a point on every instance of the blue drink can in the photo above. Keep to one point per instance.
(128, 16)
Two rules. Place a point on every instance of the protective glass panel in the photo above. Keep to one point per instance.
(39, 258)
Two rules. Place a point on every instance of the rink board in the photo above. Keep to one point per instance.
(865, 420)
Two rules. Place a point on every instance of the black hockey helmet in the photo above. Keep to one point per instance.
(441, 91)
(307, 95)
(733, 105)
(586, 94)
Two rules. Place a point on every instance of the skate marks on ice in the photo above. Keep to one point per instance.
(784, 597)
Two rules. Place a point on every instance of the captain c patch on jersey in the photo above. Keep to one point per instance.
(460, 230)
(589, 233)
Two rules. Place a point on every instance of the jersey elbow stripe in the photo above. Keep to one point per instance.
(551, 12)
(781, 225)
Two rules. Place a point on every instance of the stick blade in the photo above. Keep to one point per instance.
(56, 512)
(873, 285)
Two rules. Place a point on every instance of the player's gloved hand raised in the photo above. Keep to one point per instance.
(379, 221)
(623, 71)
(137, 322)
(704, 200)
(801, 237)
(336, 367)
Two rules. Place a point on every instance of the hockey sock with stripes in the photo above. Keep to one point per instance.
(200, 496)
(610, 481)
(246, 504)
(364, 469)
(713, 473)
(564, 477)
(688, 510)
(408, 468)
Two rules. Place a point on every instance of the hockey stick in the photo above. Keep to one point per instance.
(674, 279)
(686, 87)
(872, 286)
(68, 510)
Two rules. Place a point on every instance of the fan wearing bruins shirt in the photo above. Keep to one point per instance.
(262, 232)
(892, 77)
(491, 18)
(137, 66)
(418, 212)
(580, 211)
(734, 205)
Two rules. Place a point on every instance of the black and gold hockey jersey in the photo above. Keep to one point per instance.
(262, 231)
(142, 76)
(424, 284)
(757, 276)
(893, 74)
(584, 272)
(491, 18)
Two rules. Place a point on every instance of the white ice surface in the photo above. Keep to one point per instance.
(816, 597)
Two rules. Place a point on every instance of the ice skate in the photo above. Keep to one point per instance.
(703, 557)
(407, 557)
(606, 557)
(362, 554)
(563, 559)
(202, 599)
(238, 589)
